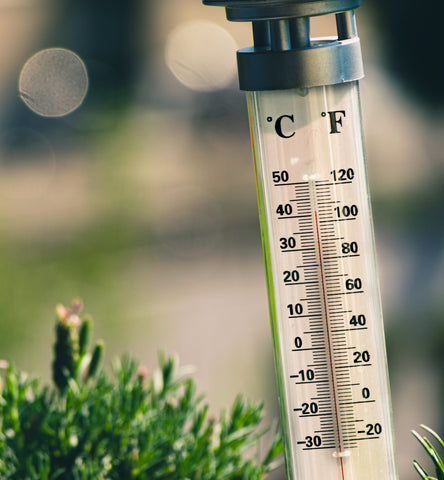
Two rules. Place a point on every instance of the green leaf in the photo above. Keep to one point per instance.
(433, 454)
(275, 449)
(420, 470)
(434, 434)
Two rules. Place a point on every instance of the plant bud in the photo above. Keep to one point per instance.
(66, 349)
(84, 335)
(96, 359)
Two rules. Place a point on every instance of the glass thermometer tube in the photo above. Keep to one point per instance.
(322, 283)
(317, 235)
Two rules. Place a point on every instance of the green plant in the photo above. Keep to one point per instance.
(92, 425)
(433, 454)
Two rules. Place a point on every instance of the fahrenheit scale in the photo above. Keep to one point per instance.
(316, 224)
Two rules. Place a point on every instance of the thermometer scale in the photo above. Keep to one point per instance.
(317, 235)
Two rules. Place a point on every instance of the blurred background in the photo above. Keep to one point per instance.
(126, 179)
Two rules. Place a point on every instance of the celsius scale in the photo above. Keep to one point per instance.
(317, 235)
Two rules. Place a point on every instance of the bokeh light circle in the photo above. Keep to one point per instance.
(53, 82)
(201, 55)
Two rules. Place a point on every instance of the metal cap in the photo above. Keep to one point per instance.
(250, 10)
(284, 54)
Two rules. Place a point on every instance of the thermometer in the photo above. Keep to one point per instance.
(317, 235)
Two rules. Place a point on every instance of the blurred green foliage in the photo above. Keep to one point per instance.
(128, 426)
